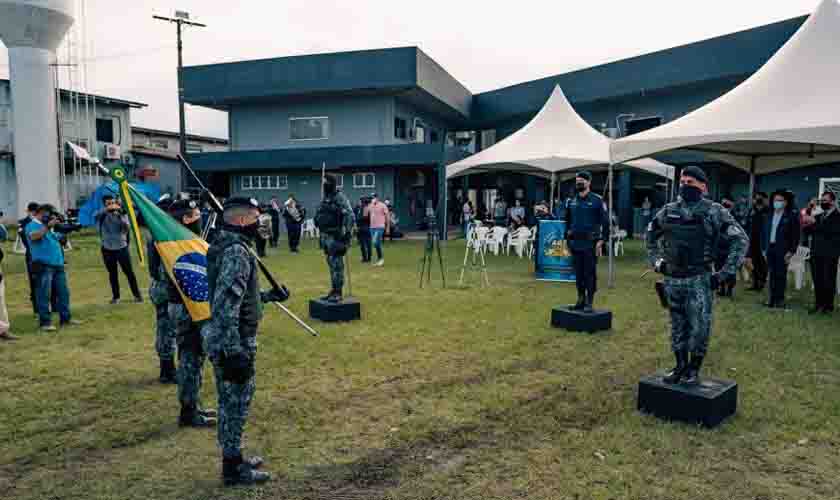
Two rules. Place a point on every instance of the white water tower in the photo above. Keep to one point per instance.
(32, 31)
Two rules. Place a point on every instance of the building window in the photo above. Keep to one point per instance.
(419, 133)
(488, 138)
(193, 147)
(253, 182)
(364, 180)
(309, 129)
(160, 143)
(641, 124)
(339, 180)
(105, 130)
(400, 128)
(433, 137)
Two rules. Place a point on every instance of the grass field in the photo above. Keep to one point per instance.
(463, 393)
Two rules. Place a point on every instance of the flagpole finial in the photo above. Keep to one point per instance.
(118, 174)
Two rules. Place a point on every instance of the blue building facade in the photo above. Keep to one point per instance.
(390, 120)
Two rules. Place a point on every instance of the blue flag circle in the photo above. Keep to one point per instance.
(190, 272)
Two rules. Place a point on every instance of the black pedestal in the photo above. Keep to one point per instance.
(707, 403)
(579, 321)
(347, 310)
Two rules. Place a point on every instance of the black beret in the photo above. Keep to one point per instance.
(182, 206)
(697, 173)
(241, 202)
(585, 174)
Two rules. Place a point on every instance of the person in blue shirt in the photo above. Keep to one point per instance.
(779, 242)
(587, 226)
(48, 268)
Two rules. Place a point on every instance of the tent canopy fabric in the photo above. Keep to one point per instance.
(785, 115)
(555, 140)
(87, 212)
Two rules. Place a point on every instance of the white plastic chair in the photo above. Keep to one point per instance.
(618, 244)
(478, 238)
(309, 229)
(517, 240)
(797, 266)
(532, 242)
(496, 239)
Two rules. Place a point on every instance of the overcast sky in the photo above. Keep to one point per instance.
(485, 45)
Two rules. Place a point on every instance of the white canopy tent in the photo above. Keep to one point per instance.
(556, 140)
(785, 115)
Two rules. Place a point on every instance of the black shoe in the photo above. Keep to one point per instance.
(167, 371)
(335, 297)
(674, 376)
(581, 301)
(191, 417)
(692, 377)
(236, 471)
(587, 305)
(208, 412)
(327, 296)
(770, 304)
(138, 300)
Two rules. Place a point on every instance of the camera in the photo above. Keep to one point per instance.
(64, 226)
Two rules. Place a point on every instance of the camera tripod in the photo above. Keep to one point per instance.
(432, 245)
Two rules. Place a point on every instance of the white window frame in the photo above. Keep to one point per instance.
(339, 180)
(326, 136)
(263, 182)
(364, 177)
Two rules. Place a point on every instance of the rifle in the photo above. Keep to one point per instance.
(218, 210)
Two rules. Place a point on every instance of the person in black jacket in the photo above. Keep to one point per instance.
(30, 213)
(825, 251)
(755, 228)
(779, 242)
(363, 228)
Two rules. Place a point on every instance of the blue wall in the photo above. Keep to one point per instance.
(805, 182)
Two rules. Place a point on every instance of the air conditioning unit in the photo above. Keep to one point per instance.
(127, 159)
(112, 152)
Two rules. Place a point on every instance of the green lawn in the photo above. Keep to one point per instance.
(463, 393)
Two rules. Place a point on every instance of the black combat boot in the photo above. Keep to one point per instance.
(191, 417)
(674, 376)
(167, 371)
(327, 296)
(587, 306)
(581, 301)
(693, 375)
(238, 471)
(208, 412)
(336, 297)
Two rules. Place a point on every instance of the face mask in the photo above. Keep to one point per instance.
(691, 194)
(581, 187)
(778, 205)
(825, 206)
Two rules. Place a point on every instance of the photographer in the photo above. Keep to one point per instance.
(113, 231)
(48, 268)
(31, 208)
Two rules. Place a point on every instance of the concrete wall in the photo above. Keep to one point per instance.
(408, 112)
(169, 171)
(173, 144)
(8, 190)
(354, 121)
(78, 127)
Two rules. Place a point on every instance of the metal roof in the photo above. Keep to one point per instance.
(176, 135)
(99, 98)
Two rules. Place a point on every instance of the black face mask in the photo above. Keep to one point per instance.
(826, 206)
(581, 187)
(691, 194)
(250, 231)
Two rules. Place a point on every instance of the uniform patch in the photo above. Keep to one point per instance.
(190, 272)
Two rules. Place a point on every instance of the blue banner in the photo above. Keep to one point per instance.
(554, 262)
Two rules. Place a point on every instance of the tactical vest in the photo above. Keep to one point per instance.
(249, 311)
(328, 218)
(685, 239)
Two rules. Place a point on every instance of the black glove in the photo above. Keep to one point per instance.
(281, 294)
(237, 369)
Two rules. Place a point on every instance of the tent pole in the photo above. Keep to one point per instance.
(551, 195)
(609, 237)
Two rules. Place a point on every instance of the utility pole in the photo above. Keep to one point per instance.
(181, 19)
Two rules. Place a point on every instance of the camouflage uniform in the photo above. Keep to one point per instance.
(191, 356)
(328, 239)
(158, 293)
(688, 288)
(233, 279)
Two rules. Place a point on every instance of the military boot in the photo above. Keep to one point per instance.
(327, 296)
(581, 301)
(674, 376)
(167, 371)
(191, 417)
(692, 377)
(208, 412)
(336, 296)
(587, 305)
(236, 471)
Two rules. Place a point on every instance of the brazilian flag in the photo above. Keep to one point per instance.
(183, 253)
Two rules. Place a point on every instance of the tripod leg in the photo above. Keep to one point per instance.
(464, 267)
(442, 270)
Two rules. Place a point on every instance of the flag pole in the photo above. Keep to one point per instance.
(217, 206)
